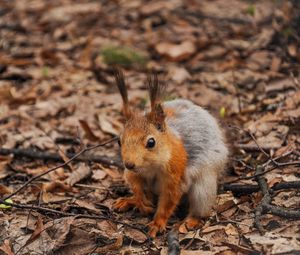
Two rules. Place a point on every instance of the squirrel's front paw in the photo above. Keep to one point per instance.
(123, 204)
(145, 207)
(155, 227)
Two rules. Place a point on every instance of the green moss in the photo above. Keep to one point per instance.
(45, 71)
(124, 56)
(251, 10)
(170, 98)
(287, 32)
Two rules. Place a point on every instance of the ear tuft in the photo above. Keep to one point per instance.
(120, 81)
(157, 117)
(156, 91)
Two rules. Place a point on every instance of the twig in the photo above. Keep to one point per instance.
(293, 163)
(259, 210)
(243, 189)
(253, 147)
(258, 146)
(29, 153)
(173, 242)
(58, 166)
(65, 214)
(265, 204)
(282, 212)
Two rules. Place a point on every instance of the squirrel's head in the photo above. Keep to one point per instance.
(143, 142)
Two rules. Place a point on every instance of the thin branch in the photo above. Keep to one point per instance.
(33, 154)
(243, 189)
(59, 166)
(259, 210)
(65, 214)
(265, 204)
(173, 242)
(293, 163)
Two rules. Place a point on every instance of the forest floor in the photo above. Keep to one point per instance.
(239, 59)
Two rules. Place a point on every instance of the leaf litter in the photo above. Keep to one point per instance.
(238, 59)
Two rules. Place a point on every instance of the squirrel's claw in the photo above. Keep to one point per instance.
(144, 209)
(190, 223)
(123, 204)
(156, 227)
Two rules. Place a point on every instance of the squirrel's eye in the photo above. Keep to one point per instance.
(150, 143)
(119, 142)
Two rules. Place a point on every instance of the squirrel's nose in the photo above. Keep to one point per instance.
(129, 165)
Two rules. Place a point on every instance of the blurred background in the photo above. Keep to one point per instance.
(237, 58)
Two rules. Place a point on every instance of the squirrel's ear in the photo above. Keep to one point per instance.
(119, 77)
(157, 117)
(156, 91)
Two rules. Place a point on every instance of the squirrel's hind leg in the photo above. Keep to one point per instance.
(202, 198)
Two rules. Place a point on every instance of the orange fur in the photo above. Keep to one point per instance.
(138, 200)
(170, 113)
(170, 190)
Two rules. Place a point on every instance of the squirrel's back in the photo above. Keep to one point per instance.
(200, 133)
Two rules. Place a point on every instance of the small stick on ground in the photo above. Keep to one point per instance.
(77, 155)
(66, 214)
(265, 200)
(243, 189)
(265, 204)
(173, 242)
(33, 154)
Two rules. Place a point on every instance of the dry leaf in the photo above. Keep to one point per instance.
(176, 52)
(107, 125)
(87, 205)
(4, 190)
(38, 229)
(6, 247)
(113, 173)
(99, 175)
(135, 235)
(178, 74)
(81, 172)
(89, 134)
(56, 186)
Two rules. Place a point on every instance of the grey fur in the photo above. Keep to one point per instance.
(206, 149)
(199, 130)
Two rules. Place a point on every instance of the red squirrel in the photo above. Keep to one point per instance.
(176, 148)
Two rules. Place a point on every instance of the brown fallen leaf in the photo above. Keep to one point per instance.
(108, 125)
(176, 52)
(80, 173)
(89, 134)
(178, 74)
(87, 205)
(113, 173)
(6, 247)
(4, 190)
(107, 227)
(99, 175)
(56, 186)
(275, 64)
(231, 230)
(135, 235)
(39, 228)
(59, 231)
(64, 13)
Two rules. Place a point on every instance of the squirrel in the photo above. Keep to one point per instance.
(177, 148)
